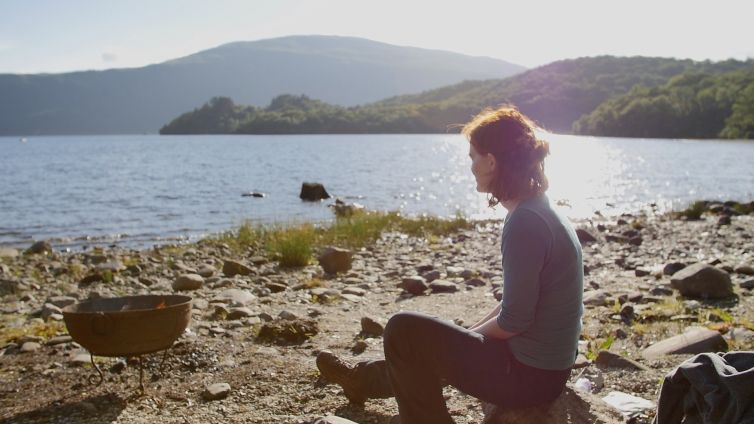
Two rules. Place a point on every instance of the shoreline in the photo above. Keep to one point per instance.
(243, 289)
(123, 241)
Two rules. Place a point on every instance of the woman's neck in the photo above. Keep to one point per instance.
(510, 205)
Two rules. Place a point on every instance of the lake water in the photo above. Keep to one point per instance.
(137, 191)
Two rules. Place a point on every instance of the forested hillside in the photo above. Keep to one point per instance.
(555, 95)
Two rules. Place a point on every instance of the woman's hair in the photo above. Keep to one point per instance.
(519, 155)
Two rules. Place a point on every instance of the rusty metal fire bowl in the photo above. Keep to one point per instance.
(128, 326)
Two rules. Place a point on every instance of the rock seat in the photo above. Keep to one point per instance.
(570, 407)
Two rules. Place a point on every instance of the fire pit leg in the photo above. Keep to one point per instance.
(99, 371)
(141, 375)
(164, 358)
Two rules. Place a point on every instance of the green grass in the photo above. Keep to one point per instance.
(44, 330)
(293, 245)
(694, 211)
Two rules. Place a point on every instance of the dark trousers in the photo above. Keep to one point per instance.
(422, 354)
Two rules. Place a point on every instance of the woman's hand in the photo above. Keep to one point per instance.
(490, 328)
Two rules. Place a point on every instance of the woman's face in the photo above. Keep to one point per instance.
(483, 168)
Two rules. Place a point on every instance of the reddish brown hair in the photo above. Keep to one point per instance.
(519, 155)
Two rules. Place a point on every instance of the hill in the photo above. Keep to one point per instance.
(555, 95)
(339, 70)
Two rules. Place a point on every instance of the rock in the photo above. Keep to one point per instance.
(332, 419)
(356, 291)
(334, 260)
(660, 291)
(723, 220)
(628, 405)
(475, 282)
(352, 298)
(118, 367)
(236, 297)
(581, 361)
(343, 209)
(49, 309)
(112, 266)
(613, 360)
(92, 277)
(585, 236)
(702, 280)
(216, 391)
(371, 328)
(745, 269)
(415, 285)
(288, 315)
(595, 298)
(616, 238)
(80, 358)
(430, 276)
(312, 192)
(748, 284)
(454, 271)
(6, 252)
(188, 282)
(578, 407)
(206, 271)
(693, 340)
(233, 268)
(641, 272)
(276, 287)
(61, 301)
(285, 332)
(672, 268)
(30, 347)
(40, 248)
(59, 340)
(424, 267)
(258, 260)
(443, 286)
(238, 313)
(325, 295)
(635, 241)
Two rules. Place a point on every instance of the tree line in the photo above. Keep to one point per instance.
(604, 96)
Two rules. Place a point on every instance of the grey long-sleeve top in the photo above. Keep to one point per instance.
(543, 280)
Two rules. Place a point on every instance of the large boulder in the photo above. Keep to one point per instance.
(702, 280)
(570, 407)
(313, 192)
(334, 260)
(693, 340)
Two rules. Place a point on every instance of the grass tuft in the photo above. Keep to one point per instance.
(293, 245)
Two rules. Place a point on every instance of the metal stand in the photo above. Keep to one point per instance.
(99, 371)
(100, 377)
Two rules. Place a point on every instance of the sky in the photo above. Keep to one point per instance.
(65, 35)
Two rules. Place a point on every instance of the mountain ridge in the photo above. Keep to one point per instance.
(340, 70)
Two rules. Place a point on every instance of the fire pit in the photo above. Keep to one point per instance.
(128, 326)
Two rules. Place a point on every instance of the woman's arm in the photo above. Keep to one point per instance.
(487, 317)
(492, 329)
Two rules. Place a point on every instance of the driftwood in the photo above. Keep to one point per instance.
(570, 407)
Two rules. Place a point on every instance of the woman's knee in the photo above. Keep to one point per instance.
(399, 324)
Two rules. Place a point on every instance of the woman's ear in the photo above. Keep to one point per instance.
(492, 161)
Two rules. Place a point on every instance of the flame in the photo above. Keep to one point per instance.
(161, 305)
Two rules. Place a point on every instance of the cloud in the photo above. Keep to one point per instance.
(109, 57)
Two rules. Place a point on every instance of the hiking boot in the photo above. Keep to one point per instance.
(335, 370)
